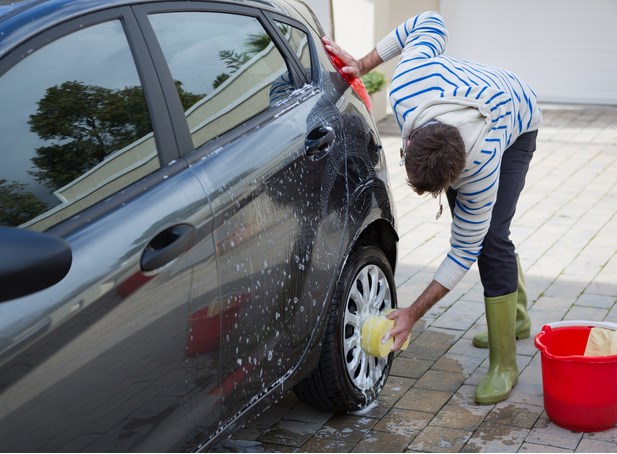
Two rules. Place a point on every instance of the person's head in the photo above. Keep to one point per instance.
(434, 157)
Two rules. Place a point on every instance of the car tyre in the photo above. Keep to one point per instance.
(347, 378)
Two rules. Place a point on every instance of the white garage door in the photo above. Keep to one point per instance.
(566, 49)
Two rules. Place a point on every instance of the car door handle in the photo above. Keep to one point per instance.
(167, 246)
(319, 141)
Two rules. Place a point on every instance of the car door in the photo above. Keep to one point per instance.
(265, 144)
(104, 360)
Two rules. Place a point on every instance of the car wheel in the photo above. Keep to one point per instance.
(347, 378)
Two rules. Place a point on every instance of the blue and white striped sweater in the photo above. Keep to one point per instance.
(427, 85)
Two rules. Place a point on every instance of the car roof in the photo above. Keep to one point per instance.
(21, 19)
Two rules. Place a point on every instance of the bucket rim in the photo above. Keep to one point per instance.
(547, 328)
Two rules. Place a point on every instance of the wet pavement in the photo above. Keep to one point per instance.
(565, 231)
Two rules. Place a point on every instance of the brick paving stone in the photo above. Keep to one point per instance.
(451, 362)
(460, 417)
(478, 374)
(606, 435)
(326, 445)
(529, 390)
(266, 420)
(423, 400)
(375, 441)
(346, 428)
(378, 408)
(588, 445)
(397, 386)
(307, 413)
(409, 367)
(465, 396)
(462, 314)
(440, 439)
(439, 380)
(546, 433)
(269, 447)
(465, 347)
(526, 347)
(232, 445)
(493, 437)
(291, 433)
(532, 447)
(518, 415)
(408, 423)
(586, 313)
(432, 343)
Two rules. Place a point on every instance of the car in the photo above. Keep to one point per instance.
(195, 219)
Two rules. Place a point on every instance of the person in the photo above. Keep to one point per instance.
(470, 130)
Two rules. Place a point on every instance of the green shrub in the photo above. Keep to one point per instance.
(373, 81)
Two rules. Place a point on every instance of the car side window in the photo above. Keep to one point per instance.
(225, 66)
(74, 127)
(299, 43)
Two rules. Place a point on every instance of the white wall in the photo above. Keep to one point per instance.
(566, 49)
(360, 24)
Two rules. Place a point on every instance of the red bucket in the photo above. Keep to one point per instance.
(580, 392)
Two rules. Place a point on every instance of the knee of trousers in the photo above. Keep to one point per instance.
(498, 268)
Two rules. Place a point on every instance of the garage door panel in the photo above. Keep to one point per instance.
(564, 48)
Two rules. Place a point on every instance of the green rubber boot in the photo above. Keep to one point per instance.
(502, 373)
(523, 324)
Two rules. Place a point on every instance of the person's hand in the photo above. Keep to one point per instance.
(404, 319)
(352, 66)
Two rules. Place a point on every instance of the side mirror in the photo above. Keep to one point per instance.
(31, 261)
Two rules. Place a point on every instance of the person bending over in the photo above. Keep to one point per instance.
(468, 130)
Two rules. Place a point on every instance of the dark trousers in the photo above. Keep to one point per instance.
(497, 261)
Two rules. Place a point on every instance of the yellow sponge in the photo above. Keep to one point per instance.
(374, 329)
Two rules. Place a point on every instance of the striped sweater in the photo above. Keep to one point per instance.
(490, 106)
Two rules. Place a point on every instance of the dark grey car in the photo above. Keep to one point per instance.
(196, 218)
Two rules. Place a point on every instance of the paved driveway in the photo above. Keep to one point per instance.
(565, 230)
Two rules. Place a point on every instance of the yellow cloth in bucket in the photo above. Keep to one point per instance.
(601, 342)
(374, 329)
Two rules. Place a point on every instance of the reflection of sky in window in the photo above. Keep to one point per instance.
(98, 55)
(192, 41)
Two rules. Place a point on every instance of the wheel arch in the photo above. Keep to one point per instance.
(382, 234)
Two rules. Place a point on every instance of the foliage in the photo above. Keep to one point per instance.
(373, 81)
(82, 124)
(234, 60)
(17, 205)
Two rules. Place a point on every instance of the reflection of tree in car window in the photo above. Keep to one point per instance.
(17, 204)
(86, 123)
(74, 128)
(235, 60)
(81, 125)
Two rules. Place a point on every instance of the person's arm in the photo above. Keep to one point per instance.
(422, 36)
(353, 66)
(404, 319)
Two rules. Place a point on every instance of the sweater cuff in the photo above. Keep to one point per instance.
(388, 48)
(449, 274)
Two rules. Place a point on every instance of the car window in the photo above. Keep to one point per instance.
(74, 127)
(298, 41)
(225, 66)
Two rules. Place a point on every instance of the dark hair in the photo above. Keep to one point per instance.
(434, 158)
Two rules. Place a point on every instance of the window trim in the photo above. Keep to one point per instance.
(272, 18)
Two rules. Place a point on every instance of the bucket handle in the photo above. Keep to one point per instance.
(565, 323)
